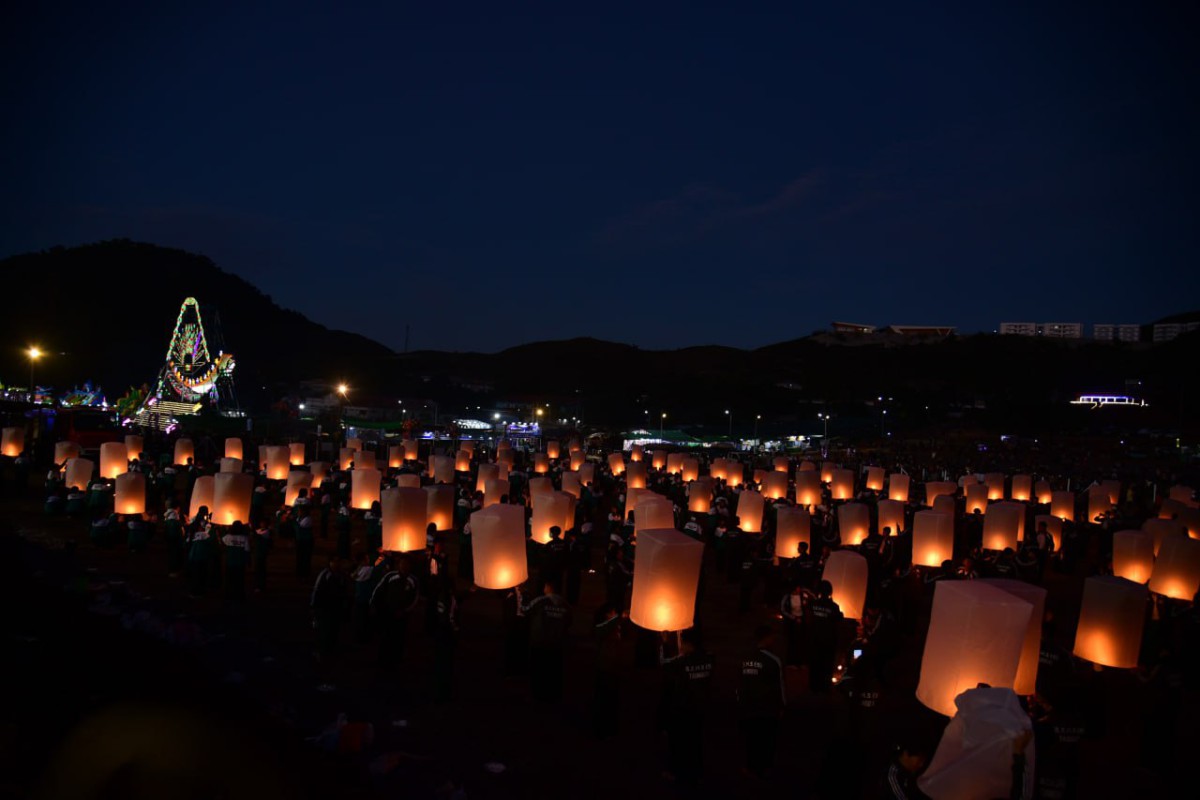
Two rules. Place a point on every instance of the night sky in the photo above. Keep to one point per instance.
(661, 174)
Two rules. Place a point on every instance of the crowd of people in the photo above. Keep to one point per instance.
(363, 596)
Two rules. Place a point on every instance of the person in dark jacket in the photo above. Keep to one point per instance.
(328, 603)
(823, 620)
(687, 685)
(761, 701)
(549, 620)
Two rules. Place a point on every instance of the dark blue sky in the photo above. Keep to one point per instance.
(662, 174)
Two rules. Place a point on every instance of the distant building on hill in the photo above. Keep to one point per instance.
(852, 327)
(1051, 330)
(1106, 332)
(1166, 331)
(899, 330)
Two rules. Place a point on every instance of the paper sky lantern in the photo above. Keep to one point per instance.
(631, 500)
(875, 479)
(666, 574)
(636, 452)
(976, 635)
(494, 491)
(780, 464)
(1098, 503)
(689, 468)
(408, 480)
(974, 757)
(502, 471)
(1062, 505)
(570, 484)
(63, 451)
(635, 475)
(976, 497)
(933, 538)
(827, 470)
(1182, 494)
(1111, 619)
(847, 572)
(354, 444)
(700, 495)
(775, 485)
(229, 465)
(439, 506)
(1177, 569)
(658, 459)
(549, 510)
(1190, 519)
(319, 470)
(202, 495)
(759, 477)
(185, 451)
(395, 456)
(442, 469)
(967, 480)
(487, 472)
(345, 458)
(854, 522)
(808, 488)
(412, 449)
(364, 459)
(1002, 526)
(994, 481)
(750, 507)
(936, 489)
(296, 454)
(792, 526)
(1025, 681)
(842, 484)
(1133, 555)
(12, 442)
(404, 516)
(364, 488)
(653, 511)
(130, 494)
(675, 463)
(1043, 493)
(467, 445)
(807, 466)
(232, 493)
(296, 480)
(1022, 488)
(577, 460)
(540, 485)
(541, 463)
(113, 459)
(233, 448)
(498, 545)
(134, 446)
(79, 473)
(891, 515)
(552, 450)
(1113, 489)
(898, 484)
(616, 463)
(735, 472)
(462, 461)
(587, 474)
(718, 469)
(946, 504)
(506, 458)
(278, 464)
(262, 456)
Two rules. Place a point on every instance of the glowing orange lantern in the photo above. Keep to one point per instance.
(780, 464)
(666, 574)
(1182, 494)
(202, 495)
(635, 453)
(1112, 488)
(1022, 488)
(1111, 619)
(408, 480)
(658, 459)
(750, 506)
(1043, 493)
(775, 485)
(296, 480)
(700, 495)
(898, 484)
(229, 465)
(854, 522)
(631, 500)
(135, 446)
(364, 459)
(262, 456)
(130, 494)
(842, 484)
(635, 475)
(1062, 505)
(807, 466)
(395, 456)
(977, 634)
(994, 481)
(847, 572)
(758, 477)
(439, 506)
(540, 485)
(232, 493)
(653, 511)
(442, 469)
(616, 463)
(12, 442)
(549, 511)
(319, 470)
(933, 538)
(79, 473)
(185, 451)
(946, 504)
(577, 459)
(675, 463)
(494, 491)
(570, 484)
(113, 459)
(875, 479)
(64, 451)
(1133, 555)
(1025, 681)
(345, 458)
(936, 489)
(552, 450)
(364, 488)
(976, 496)
(541, 464)
(689, 469)
(891, 515)
(1098, 503)
(354, 444)
(403, 518)
(1190, 519)
(296, 454)
(1053, 525)
(487, 472)
(808, 488)
(468, 445)
(233, 448)
(587, 474)
(462, 461)
(277, 463)
(1003, 525)
(412, 449)
(717, 469)
(792, 526)
(1177, 569)
(498, 546)
(827, 470)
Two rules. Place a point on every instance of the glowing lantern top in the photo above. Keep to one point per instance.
(498, 544)
(666, 573)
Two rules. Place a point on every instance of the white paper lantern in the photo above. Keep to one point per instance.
(854, 522)
(233, 448)
(364, 488)
(846, 571)
(498, 547)
(1177, 569)
(296, 480)
(79, 473)
(891, 515)
(202, 495)
(1133, 555)
(898, 486)
(792, 526)
(439, 506)
(404, 516)
(666, 574)
(232, 494)
(1111, 619)
(130, 494)
(185, 451)
(113, 460)
(933, 538)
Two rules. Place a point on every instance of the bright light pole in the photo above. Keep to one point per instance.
(825, 438)
(34, 354)
(662, 421)
(729, 414)
(757, 417)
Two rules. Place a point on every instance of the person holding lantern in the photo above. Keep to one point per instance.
(549, 620)
(823, 619)
(687, 685)
(762, 699)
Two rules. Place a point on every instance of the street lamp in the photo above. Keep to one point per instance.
(34, 354)
(757, 417)
(825, 438)
(342, 389)
(661, 422)
(729, 414)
